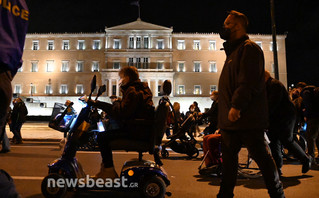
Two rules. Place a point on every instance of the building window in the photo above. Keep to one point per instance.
(197, 89)
(48, 89)
(96, 45)
(116, 65)
(65, 45)
(213, 88)
(32, 89)
(181, 44)
(79, 66)
(271, 46)
(35, 45)
(131, 43)
(95, 66)
(17, 89)
(272, 68)
(145, 63)
(65, 66)
(160, 64)
(81, 45)
(197, 67)
(130, 62)
(79, 89)
(160, 43)
(260, 44)
(212, 45)
(50, 45)
(146, 42)
(159, 90)
(113, 89)
(49, 66)
(20, 69)
(181, 66)
(196, 45)
(212, 66)
(181, 89)
(64, 89)
(34, 66)
(138, 63)
(117, 44)
(138, 42)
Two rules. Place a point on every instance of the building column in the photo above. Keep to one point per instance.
(117, 87)
(156, 87)
(110, 87)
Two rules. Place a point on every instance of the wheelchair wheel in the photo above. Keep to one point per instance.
(193, 153)
(164, 153)
(53, 191)
(247, 167)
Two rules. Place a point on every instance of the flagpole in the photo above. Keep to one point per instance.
(139, 10)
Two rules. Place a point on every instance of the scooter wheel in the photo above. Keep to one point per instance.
(164, 153)
(153, 187)
(53, 191)
(194, 153)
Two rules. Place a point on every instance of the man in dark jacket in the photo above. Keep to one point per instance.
(136, 105)
(242, 107)
(18, 117)
(212, 114)
(282, 118)
(13, 29)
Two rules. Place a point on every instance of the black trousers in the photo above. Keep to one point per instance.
(232, 142)
(104, 139)
(282, 134)
(5, 97)
(312, 135)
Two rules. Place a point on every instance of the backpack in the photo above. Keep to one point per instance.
(7, 187)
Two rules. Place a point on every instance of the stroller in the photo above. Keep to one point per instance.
(179, 142)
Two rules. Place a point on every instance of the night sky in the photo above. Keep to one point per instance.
(299, 19)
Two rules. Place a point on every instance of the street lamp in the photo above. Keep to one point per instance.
(274, 41)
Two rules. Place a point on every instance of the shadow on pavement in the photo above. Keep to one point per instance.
(29, 155)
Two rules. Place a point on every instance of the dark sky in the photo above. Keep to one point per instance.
(299, 19)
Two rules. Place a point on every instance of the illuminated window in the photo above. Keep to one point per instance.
(181, 44)
(50, 45)
(138, 42)
(17, 89)
(95, 66)
(271, 46)
(145, 63)
(160, 64)
(35, 45)
(197, 67)
(96, 45)
(79, 66)
(64, 89)
(34, 66)
(20, 69)
(113, 89)
(79, 89)
(260, 44)
(131, 43)
(181, 66)
(116, 65)
(32, 89)
(48, 89)
(213, 88)
(138, 63)
(117, 44)
(65, 45)
(196, 45)
(181, 89)
(160, 43)
(197, 89)
(49, 66)
(146, 42)
(130, 62)
(212, 66)
(212, 45)
(81, 45)
(65, 66)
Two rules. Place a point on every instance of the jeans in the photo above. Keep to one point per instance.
(312, 135)
(5, 140)
(232, 142)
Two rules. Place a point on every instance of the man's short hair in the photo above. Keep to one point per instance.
(301, 85)
(131, 72)
(243, 20)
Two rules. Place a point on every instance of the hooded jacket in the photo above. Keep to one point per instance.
(242, 86)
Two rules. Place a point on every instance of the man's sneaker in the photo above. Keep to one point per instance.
(306, 165)
(4, 151)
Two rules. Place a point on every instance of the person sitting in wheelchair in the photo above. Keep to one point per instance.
(133, 114)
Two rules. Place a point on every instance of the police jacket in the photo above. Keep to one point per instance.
(242, 86)
(134, 112)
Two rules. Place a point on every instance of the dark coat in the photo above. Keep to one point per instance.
(212, 114)
(281, 109)
(134, 112)
(19, 113)
(242, 86)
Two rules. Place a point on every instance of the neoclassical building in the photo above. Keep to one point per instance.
(59, 66)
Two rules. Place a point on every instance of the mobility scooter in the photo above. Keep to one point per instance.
(148, 177)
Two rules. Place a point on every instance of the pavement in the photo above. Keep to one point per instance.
(39, 131)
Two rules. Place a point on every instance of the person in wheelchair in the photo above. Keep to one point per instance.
(133, 113)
